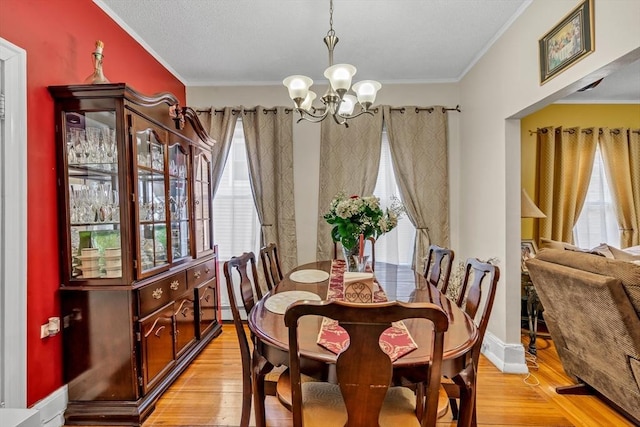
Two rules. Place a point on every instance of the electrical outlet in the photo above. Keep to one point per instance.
(44, 331)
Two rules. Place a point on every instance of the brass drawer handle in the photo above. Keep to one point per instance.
(157, 294)
(197, 274)
(174, 285)
(207, 270)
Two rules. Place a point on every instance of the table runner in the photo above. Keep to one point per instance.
(395, 341)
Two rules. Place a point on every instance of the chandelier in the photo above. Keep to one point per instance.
(338, 104)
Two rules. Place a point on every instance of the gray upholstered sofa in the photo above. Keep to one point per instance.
(592, 309)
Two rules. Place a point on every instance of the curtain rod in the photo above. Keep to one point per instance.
(288, 110)
(587, 131)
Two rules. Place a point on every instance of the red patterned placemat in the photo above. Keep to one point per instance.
(395, 341)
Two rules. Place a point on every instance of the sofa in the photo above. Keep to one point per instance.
(592, 310)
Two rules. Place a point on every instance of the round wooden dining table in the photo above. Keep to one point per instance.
(401, 283)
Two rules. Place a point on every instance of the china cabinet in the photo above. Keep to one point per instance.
(139, 285)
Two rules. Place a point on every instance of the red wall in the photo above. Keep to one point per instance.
(59, 36)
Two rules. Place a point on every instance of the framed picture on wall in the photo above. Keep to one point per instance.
(528, 250)
(568, 42)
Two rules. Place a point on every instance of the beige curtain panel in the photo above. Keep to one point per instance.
(419, 153)
(268, 135)
(349, 161)
(221, 125)
(621, 155)
(565, 165)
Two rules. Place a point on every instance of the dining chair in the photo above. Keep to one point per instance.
(363, 395)
(372, 242)
(437, 269)
(245, 266)
(271, 265)
(463, 386)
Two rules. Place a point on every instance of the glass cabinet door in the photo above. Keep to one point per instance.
(162, 186)
(150, 156)
(179, 201)
(91, 160)
(202, 189)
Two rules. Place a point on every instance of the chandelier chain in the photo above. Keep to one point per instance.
(331, 32)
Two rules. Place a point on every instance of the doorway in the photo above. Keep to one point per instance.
(13, 225)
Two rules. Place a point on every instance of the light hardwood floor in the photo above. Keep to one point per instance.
(208, 394)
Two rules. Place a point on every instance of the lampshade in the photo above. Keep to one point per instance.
(528, 209)
(339, 76)
(308, 101)
(366, 91)
(298, 86)
(347, 105)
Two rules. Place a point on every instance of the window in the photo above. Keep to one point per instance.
(395, 247)
(235, 221)
(597, 222)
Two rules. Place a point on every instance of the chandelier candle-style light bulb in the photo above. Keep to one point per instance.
(337, 103)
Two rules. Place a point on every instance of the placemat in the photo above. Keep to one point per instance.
(279, 302)
(309, 276)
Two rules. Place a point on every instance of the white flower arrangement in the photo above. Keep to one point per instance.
(356, 215)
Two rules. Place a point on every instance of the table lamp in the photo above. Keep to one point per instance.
(528, 209)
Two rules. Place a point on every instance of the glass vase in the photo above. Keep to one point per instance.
(353, 259)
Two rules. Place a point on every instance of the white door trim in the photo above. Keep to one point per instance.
(13, 226)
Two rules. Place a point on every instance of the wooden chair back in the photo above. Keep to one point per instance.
(477, 275)
(241, 264)
(437, 269)
(364, 381)
(271, 265)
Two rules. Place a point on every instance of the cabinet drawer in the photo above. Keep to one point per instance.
(157, 294)
(201, 273)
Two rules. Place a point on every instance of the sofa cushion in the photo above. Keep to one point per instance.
(634, 250)
(623, 255)
(604, 250)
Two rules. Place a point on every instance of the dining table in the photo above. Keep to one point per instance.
(399, 283)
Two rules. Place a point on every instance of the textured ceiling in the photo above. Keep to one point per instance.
(257, 42)
(244, 42)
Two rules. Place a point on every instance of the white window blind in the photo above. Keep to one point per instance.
(597, 222)
(395, 247)
(235, 220)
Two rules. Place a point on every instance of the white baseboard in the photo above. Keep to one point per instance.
(19, 417)
(52, 408)
(509, 358)
(228, 316)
